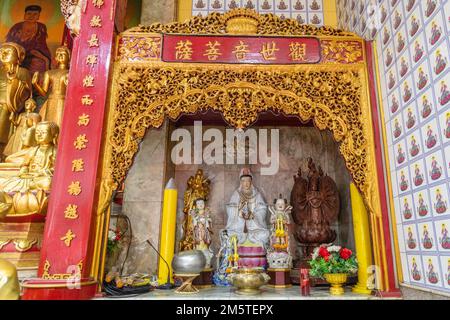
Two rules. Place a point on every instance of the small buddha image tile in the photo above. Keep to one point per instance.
(411, 237)
(442, 92)
(400, 39)
(397, 19)
(432, 271)
(418, 174)
(431, 136)
(414, 24)
(232, 4)
(445, 267)
(406, 208)
(394, 103)
(400, 153)
(414, 142)
(430, 8)
(410, 116)
(407, 87)
(405, 65)
(427, 236)
(282, 5)
(403, 181)
(434, 31)
(266, 6)
(439, 200)
(315, 5)
(249, 4)
(410, 5)
(199, 5)
(422, 77)
(299, 5)
(442, 228)
(435, 167)
(422, 204)
(315, 18)
(415, 269)
(397, 128)
(418, 48)
(301, 18)
(392, 78)
(439, 59)
(216, 5)
(426, 104)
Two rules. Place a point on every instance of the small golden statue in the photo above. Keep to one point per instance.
(197, 188)
(25, 178)
(9, 282)
(23, 136)
(15, 87)
(54, 84)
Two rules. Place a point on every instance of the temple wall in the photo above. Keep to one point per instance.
(412, 43)
(142, 202)
(296, 145)
(162, 11)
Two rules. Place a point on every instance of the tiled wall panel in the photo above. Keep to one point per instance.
(413, 45)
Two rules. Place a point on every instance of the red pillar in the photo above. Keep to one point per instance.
(65, 266)
(393, 290)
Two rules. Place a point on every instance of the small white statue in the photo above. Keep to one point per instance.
(201, 222)
(279, 254)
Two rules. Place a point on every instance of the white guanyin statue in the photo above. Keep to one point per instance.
(246, 219)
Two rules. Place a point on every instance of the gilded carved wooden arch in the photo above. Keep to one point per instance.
(334, 93)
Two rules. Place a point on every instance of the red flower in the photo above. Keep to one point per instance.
(324, 253)
(326, 258)
(345, 253)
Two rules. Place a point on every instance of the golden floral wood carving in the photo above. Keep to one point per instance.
(145, 95)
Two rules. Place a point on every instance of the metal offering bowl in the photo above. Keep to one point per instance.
(188, 262)
(248, 281)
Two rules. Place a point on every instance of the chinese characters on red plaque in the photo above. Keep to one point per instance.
(242, 49)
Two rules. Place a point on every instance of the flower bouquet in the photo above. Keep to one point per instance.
(334, 264)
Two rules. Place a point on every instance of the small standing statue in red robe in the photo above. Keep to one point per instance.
(315, 202)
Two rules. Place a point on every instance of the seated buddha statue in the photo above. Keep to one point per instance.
(246, 218)
(25, 178)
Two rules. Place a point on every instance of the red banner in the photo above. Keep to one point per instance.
(241, 49)
(69, 228)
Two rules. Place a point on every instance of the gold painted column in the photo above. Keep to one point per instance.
(330, 13)
(168, 229)
(362, 240)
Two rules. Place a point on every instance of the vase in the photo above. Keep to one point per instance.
(337, 280)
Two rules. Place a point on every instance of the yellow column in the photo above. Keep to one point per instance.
(330, 13)
(168, 229)
(184, 10)
(362, 240)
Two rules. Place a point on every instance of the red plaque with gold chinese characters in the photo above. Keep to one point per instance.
(241, 49)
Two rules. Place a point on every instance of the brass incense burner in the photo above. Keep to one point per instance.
(249, 281)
